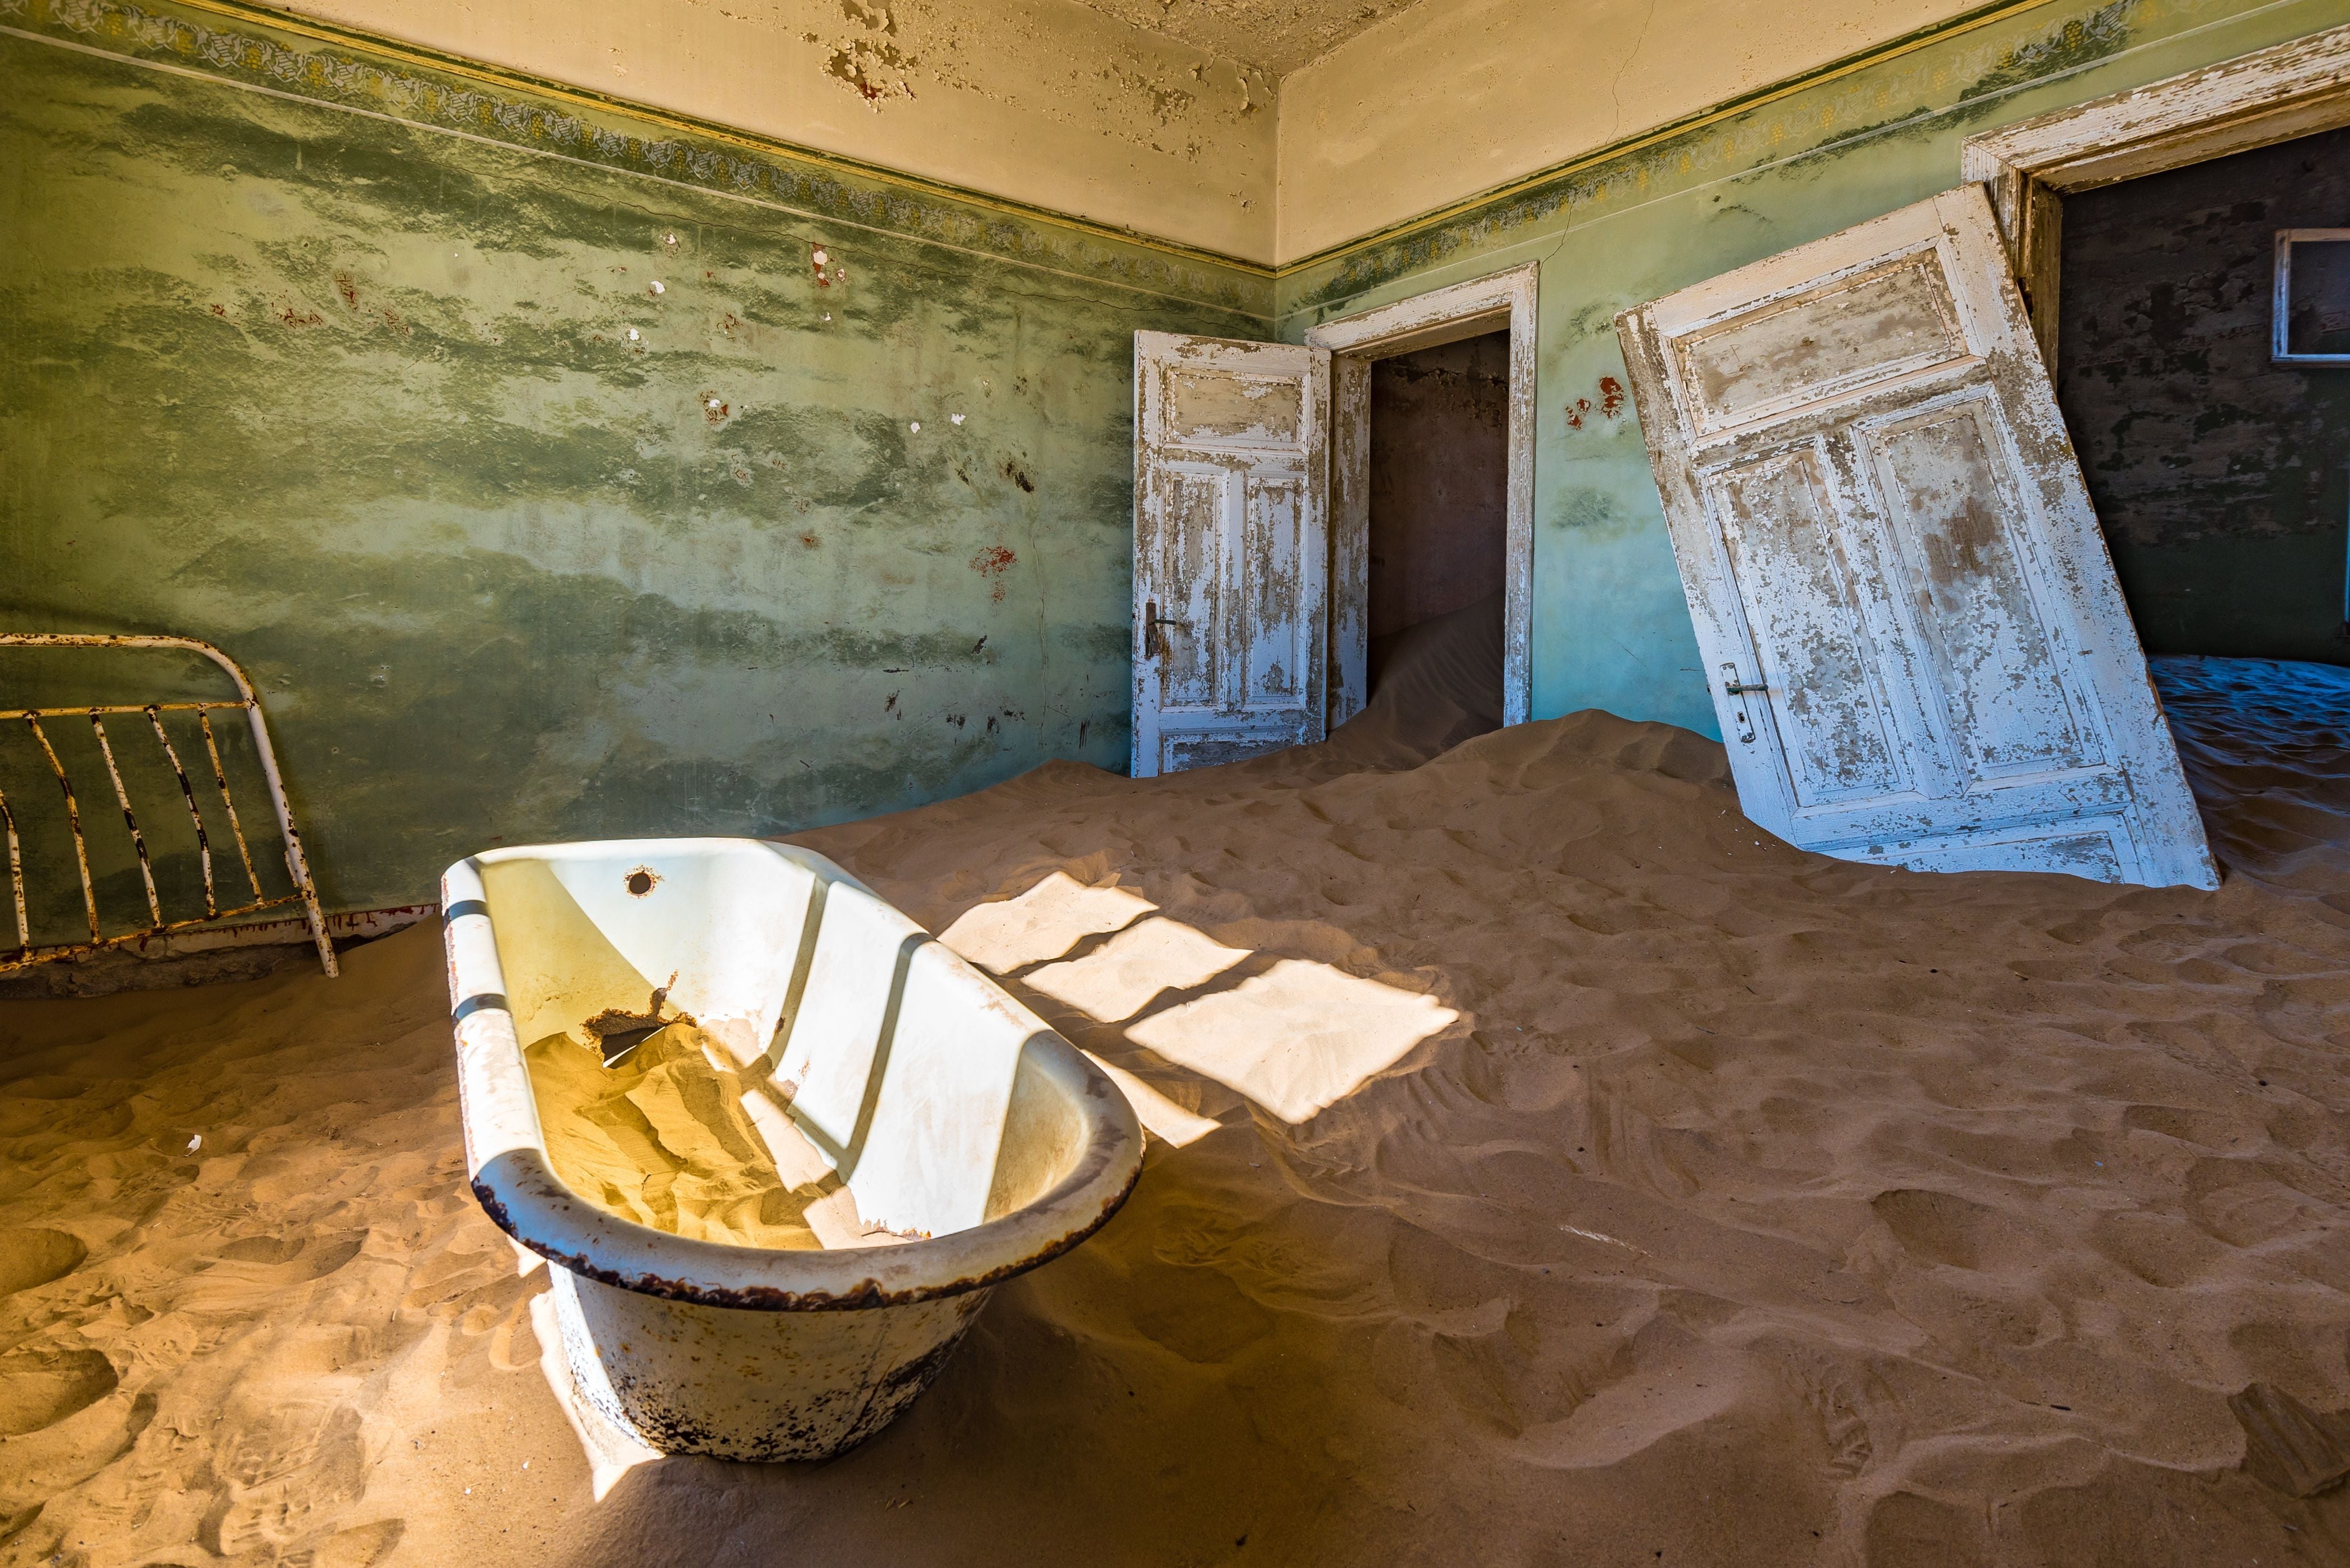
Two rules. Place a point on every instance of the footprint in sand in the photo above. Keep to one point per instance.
(1939, 1226)
(29, 1258)
(319, 1255)
(41, 1385)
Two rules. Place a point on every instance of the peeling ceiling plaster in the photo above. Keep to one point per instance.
(1275, 36)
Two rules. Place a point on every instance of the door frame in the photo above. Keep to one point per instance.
(1447, 314)
(2269, 96)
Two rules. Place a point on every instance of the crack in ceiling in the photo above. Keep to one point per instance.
(1275, 36)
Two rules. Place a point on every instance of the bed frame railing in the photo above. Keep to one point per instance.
(297, 868)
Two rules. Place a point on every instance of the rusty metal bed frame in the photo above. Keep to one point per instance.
(298, 867)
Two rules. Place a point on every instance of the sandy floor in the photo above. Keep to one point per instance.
(1643, 1192)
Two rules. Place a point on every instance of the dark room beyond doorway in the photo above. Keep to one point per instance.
(2222, 478)
(1438, 482)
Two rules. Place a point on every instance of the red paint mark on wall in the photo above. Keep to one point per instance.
(992, 562)
(1575, 412)
(348, 287)
(819, 259)
(293, 315)
(1611, 397)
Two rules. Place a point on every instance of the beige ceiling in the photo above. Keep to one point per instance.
(1275, 36)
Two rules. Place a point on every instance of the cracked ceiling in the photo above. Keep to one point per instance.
(1275, 36)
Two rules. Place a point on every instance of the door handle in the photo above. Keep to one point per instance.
(1151, 621)
(1734, 688)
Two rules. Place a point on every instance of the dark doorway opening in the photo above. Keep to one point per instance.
(2221, 478)
(1438, 507)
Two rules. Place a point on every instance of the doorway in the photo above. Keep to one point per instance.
(2220, 471)
(1432, 475)
(1438, 503)
(1438, 516)
(2146, 232)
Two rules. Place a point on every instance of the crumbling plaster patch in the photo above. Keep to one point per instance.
(1276, 36)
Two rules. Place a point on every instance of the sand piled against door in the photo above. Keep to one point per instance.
(1640, 1190)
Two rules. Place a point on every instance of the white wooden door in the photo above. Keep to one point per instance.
(1917, 648)
(1231, 547)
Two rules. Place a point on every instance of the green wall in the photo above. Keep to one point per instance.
(321, 352)
(1610, 628)
(325, 357)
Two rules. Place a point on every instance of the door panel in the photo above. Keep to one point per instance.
(1231, 548)
(1190, 543)
(1920, 656)
(1797, 591)
(1952, 516)
(1831, 342)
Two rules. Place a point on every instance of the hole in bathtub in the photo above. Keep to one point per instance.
(641, 881)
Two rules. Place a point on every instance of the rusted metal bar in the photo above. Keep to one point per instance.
(78, 710)
(68, 950)
(73, 819)
(220, 778)
(297, 863)
(129, 819)
(16, 877)
(188, 794)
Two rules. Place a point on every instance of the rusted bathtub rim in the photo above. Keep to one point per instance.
(297, 864)
(870, 1292)
(521, 1194)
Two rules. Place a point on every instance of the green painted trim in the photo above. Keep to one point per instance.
(360, 73)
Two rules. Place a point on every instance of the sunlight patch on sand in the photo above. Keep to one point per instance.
(1043, 924)
(1298, 1038)
(1115, 982)
(1166, 1121)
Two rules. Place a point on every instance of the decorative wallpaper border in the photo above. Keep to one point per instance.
(285, 56)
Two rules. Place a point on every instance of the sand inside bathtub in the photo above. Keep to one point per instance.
(666, 1137)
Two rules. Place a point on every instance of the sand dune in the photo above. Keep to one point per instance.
(1658, 1193)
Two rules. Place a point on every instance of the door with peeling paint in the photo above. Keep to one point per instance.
(1232, 544)
(1918, 649)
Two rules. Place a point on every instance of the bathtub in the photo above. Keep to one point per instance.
(963, 1140)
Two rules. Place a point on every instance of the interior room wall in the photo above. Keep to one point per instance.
(1442, 102)
(1611, 628)
(555, 476)
(2222, 479)
(1047, 102)
(1439, 494)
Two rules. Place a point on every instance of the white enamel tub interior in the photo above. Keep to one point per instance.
(875, 1061)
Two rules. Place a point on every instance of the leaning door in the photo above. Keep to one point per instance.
(1231, 545)
(1917, 648)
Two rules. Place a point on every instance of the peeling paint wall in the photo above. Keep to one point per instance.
(2222, 479)
(1439, 480)
(1610, 626)
(1047, 102)
(555, 476)
(1440, 102)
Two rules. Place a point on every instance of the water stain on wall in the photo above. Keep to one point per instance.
(540, 501)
